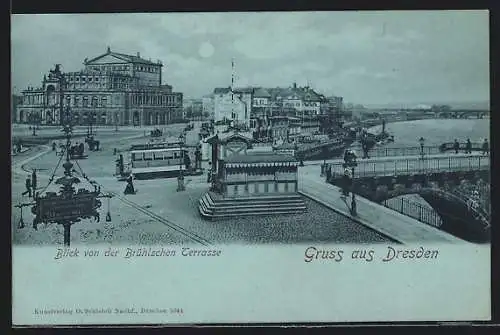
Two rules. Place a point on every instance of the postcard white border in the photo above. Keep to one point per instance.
(247, 284)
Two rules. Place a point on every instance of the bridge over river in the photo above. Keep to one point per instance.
(411, 165)
(434, 177)
(417, 151)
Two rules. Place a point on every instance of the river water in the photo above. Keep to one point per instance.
(435, 131)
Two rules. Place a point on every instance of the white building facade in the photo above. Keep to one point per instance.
(208, 106)
(232, 105)
(302, 103)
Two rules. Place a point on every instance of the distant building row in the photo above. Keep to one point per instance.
(253, 107)
(113, 88)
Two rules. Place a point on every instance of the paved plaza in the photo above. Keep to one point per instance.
(135, 220)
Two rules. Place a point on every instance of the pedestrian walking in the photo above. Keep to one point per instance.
(209, 173)
(33, 181)
(187, 161)
(364, 147)
(346, 156)
(122, 166)
(486, 147)
(456, 146)
(198, 155)
(28, 186)
(129, 189)
(54, 146)
(119, 166)
(468, 147)
(328, 173)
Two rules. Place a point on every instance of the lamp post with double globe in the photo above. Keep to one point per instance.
(350, 162)
(180, 178)
(421, 140)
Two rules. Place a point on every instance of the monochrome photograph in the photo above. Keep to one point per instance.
(250, 167)
(250, 128)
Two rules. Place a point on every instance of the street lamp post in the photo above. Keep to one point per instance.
(34, 123)
(350, 162)
(422, 142)
(354, 210)
(91, 123)
(180, 179)
(69, 206)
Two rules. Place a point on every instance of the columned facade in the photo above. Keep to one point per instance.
(112, 89)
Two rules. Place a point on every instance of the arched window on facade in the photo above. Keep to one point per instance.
(85, 101)
(85, 117)
(102, 119)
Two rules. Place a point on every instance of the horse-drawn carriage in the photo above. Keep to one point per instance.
(77, 151)
(189, 127)
(92, 143)
(156, 133)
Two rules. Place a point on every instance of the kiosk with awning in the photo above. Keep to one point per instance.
(251, 183)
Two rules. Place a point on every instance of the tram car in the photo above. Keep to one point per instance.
(157, 160)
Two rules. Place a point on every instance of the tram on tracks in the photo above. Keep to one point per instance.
(157, 160)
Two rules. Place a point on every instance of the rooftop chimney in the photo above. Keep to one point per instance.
(139, 54)
(109, 49)
(294, 85)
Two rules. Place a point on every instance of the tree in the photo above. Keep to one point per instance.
(196, 113)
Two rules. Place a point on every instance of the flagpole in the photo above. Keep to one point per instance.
(232, 93)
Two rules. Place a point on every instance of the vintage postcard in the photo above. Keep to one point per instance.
(250, 167)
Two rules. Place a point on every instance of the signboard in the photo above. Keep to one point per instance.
(56, 208)
(234, 147)
(285, 151)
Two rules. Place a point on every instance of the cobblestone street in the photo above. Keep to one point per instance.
(159, 196)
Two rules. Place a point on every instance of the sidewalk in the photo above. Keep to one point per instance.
(390, 223)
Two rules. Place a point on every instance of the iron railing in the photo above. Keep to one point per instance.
(415, 165)
(414, 210)
(427, 214)
(417, 150)
(406, 151)
(483, 202)
(262, 144)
